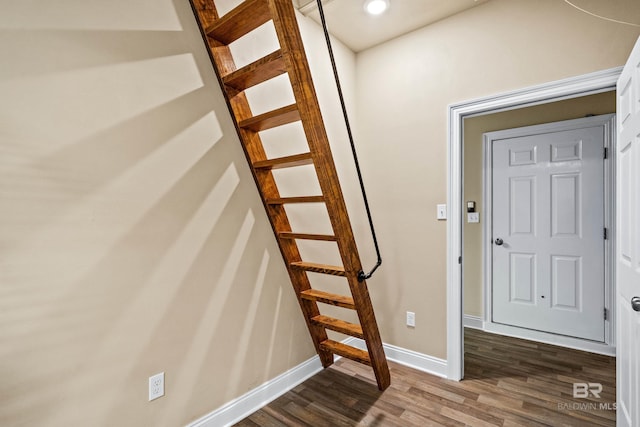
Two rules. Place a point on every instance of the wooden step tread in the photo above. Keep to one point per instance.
(328, 298)
(319, 268)
(338, 325)
(272, 119)
(285, 162)
(306, 236)
(346, 351)
(224, 33)
(257, 72)
(300, 199)
(245, 18)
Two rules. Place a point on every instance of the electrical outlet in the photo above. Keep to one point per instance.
(411, 319)
(442, 211)
(156, 386)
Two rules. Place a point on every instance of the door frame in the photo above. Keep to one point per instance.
(588, 84)
(608, 347)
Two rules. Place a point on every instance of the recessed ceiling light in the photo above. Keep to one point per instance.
(376, 7)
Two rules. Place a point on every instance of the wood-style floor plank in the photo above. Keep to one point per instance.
(508, 382)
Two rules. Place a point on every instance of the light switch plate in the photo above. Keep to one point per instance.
(473, 217)
(442, 211)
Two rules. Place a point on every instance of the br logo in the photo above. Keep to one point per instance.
(583, 390)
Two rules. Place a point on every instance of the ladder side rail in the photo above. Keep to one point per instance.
(286, 26)
(254, 151)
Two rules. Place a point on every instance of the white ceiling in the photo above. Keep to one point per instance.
(347, 20)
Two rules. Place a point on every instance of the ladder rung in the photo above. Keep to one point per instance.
(319, 268)
(223, 34)
(285, 162)
(245, 18)
(302, 199)
(272, 119)
(346, 351)
(306, 236)
(338, 325)
(257, 72)
(327, 298)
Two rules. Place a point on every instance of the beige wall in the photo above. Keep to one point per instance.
(403, 90)
(474, 128)
(132, 238)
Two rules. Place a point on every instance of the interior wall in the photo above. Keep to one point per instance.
(133, 240)
(474, 128)
(404, 88)
(132, 237)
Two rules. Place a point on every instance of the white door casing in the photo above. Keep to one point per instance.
(628, 243)
(548, 225)
(588, 84)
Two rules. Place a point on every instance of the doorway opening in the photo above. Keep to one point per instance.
(538, 96)
(547, 190)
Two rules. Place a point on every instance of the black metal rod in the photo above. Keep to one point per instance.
(361, 274)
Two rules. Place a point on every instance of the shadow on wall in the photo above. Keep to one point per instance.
(132, 239)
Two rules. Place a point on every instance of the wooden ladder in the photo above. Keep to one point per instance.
(219, 33)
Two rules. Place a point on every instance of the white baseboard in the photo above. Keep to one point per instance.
(413, 359)
(547, 338)
(250, 402)
(474, 322)
(245, 405)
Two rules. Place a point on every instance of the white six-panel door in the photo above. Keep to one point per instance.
(628, 243)
(548, 226)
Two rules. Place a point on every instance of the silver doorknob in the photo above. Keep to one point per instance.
(635, 303)
(499, 241)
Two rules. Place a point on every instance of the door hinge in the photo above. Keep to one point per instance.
(606, 234)
(606, 313)
(459, 260)
(606, 153)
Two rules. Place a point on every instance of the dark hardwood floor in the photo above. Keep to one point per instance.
(508, 382)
